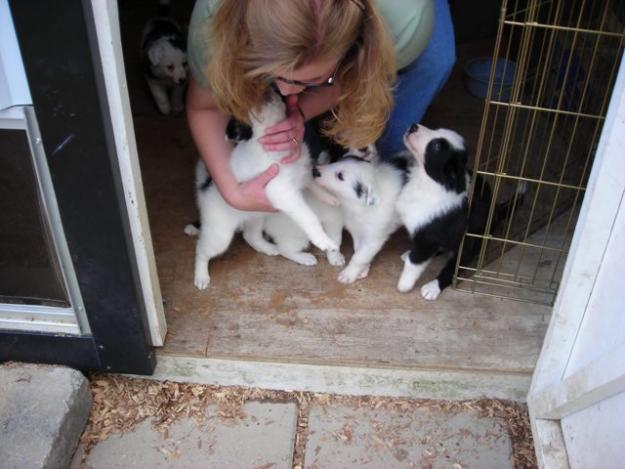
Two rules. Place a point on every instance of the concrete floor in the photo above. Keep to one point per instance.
(142, 423)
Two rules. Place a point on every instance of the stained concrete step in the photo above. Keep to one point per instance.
(43, 411)
(262, 436)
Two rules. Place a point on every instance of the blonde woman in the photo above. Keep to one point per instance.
(337, 55)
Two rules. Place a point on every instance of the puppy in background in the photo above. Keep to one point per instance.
(367, 190)
(433, 206)
(164, 57)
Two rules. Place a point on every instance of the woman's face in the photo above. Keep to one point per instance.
(317, 72)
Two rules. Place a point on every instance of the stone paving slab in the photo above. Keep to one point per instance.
(345, 437)
(43, 411)
(262, 438)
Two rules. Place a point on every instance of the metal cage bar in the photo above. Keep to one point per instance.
(541, 135)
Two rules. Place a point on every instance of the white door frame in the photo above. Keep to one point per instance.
(105, 14)
(554, 394)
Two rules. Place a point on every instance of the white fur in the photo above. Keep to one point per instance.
(371, 218)
(431, 290)
(219, 221)
(168, 67)
(291, 241)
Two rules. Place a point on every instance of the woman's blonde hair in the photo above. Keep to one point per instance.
(251, 39)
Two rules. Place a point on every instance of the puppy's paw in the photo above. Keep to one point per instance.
(430, 291)
(349, 275)
(304, 258)
(325, 243)
(268, 250)
(364, 272)
(405, 285)
(335, 258)
(191, 230)
(202, 281)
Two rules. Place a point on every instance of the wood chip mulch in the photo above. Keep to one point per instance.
(120, 403)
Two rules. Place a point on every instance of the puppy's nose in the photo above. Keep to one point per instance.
(413, 128)
(315, 172)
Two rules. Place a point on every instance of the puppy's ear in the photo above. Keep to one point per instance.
(365, 192)
(455, 169)
(155, 54)
(463, 158)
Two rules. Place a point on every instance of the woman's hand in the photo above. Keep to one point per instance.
(283, 136)
(250, 195)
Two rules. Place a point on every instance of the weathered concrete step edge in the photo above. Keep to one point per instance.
(42, 416)
(350, 380)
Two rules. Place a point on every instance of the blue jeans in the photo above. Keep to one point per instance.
(418, 84)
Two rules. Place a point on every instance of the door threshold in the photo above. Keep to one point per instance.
(412, 383)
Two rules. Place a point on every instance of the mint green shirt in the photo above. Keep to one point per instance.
(409, 23)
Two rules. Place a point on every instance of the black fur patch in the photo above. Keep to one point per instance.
(359, 189)
(446, 165)
(206, 184)
(350, 156)
(164, 28)
(238, 131)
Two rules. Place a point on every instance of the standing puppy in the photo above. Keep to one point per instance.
(433, 206)
(164, 58)
(367, 191)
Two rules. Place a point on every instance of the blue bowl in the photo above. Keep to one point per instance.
(477, 74)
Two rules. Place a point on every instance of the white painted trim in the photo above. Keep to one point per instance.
(600, 379)
(599, 211)
(552, 453)
(351, 380)
(50, 208)
(38, 318)
(109, 43)
(13, 118)
(606, 186)
(71, 320)
(14, 89)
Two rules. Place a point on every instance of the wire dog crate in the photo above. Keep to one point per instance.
(538, 138)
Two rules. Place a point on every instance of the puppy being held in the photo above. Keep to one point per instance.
(219, 221)
(367, 190)
(289, 240)
(164, 58)
(433, 206)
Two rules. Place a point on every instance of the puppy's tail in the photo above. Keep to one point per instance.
(504, 209)
(164, 8)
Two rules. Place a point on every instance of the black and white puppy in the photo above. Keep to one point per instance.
(164, 57)
(367, 190)
(433, 206)
(219, 221)
(287, 238)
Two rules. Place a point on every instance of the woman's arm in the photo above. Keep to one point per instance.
(208, 128)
